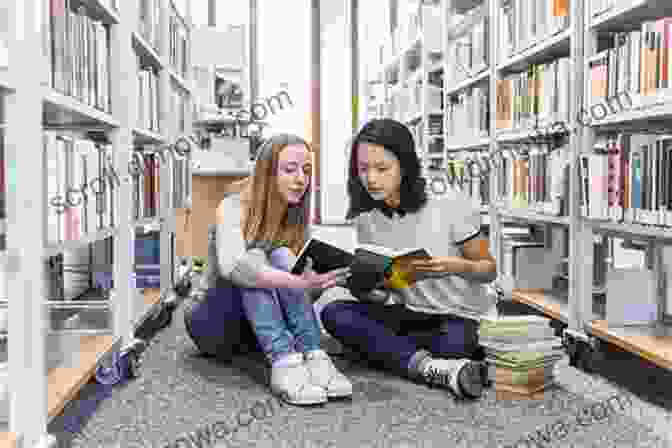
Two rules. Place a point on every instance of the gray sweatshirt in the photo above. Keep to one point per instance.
(230, 261)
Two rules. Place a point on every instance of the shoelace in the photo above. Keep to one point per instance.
(435, 376)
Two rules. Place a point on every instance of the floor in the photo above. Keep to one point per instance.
(182, 395)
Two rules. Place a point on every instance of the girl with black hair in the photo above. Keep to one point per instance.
(390, 207)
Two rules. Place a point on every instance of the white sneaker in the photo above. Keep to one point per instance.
(291, 381)
(463, 377)
(324, 373)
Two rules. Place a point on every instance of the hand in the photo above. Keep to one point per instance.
(436, 265)
(336, 277)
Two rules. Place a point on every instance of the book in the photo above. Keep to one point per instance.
(369, 264)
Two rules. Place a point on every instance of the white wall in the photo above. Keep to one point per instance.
(335, 107)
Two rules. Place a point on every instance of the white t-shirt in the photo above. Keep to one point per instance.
(441, 226)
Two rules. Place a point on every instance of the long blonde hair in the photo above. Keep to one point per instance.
(268, 220)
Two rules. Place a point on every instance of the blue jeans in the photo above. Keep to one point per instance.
(283, 319)
(391, 335)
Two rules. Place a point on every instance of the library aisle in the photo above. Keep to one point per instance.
(180, 393)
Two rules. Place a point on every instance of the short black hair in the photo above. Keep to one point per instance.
(397, 138)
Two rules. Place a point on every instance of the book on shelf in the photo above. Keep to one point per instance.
(77, 49)
(178, 47)
(538, 181)
(179, 109)
(635, 186)
(148, 99)
(469, 52)
(635, 61)
(468, 113)
(525, 23)
(146, 187)
(79, 187)
(535, 98)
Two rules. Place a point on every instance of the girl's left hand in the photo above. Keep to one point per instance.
(436, 264)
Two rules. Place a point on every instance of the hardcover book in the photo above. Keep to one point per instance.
(370, 265)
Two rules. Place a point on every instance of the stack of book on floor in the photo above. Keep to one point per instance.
(521, 352)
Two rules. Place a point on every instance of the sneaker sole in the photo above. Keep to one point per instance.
(284, 397)
(470, 380)
(339, 394)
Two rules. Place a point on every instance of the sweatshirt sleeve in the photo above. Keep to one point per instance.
(235, 262)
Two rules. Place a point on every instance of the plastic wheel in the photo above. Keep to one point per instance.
(109, 374)
(134, 362)
(586, 357)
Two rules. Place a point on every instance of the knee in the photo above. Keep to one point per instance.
(335, 314)
(280, 258)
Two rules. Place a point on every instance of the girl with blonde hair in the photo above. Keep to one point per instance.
(262, 224)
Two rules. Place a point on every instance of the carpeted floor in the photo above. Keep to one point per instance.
(179, 393)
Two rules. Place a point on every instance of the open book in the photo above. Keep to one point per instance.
(370, 265)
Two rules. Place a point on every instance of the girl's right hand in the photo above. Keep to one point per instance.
(323, 281)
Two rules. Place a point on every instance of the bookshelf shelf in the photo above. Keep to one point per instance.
(476, 78)
(64, 382)
(143, 136)
(146, 52)
(150, 223)
(554, 46)
(527, 215)
(64, 110)
(651, 342)
(657, 233)
(477, 143)
(51, 134)
(101, 11)
(645, 111)
(626, 12)
(52, 250)
(146, 299)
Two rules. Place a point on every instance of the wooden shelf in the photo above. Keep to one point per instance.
(151, 296)
(649, 342)
(543, 301)
(64, 110)
(63, 383)
(8, 440)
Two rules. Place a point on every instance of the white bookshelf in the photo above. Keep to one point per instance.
(586, 325)
(39, 385)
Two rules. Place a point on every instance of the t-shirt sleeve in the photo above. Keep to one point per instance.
(363, 229)
(465, 219)
(237, 264)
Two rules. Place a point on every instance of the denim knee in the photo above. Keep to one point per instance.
(281, 258)
(331, 314)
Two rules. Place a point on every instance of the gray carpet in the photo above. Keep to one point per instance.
(180, 392)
